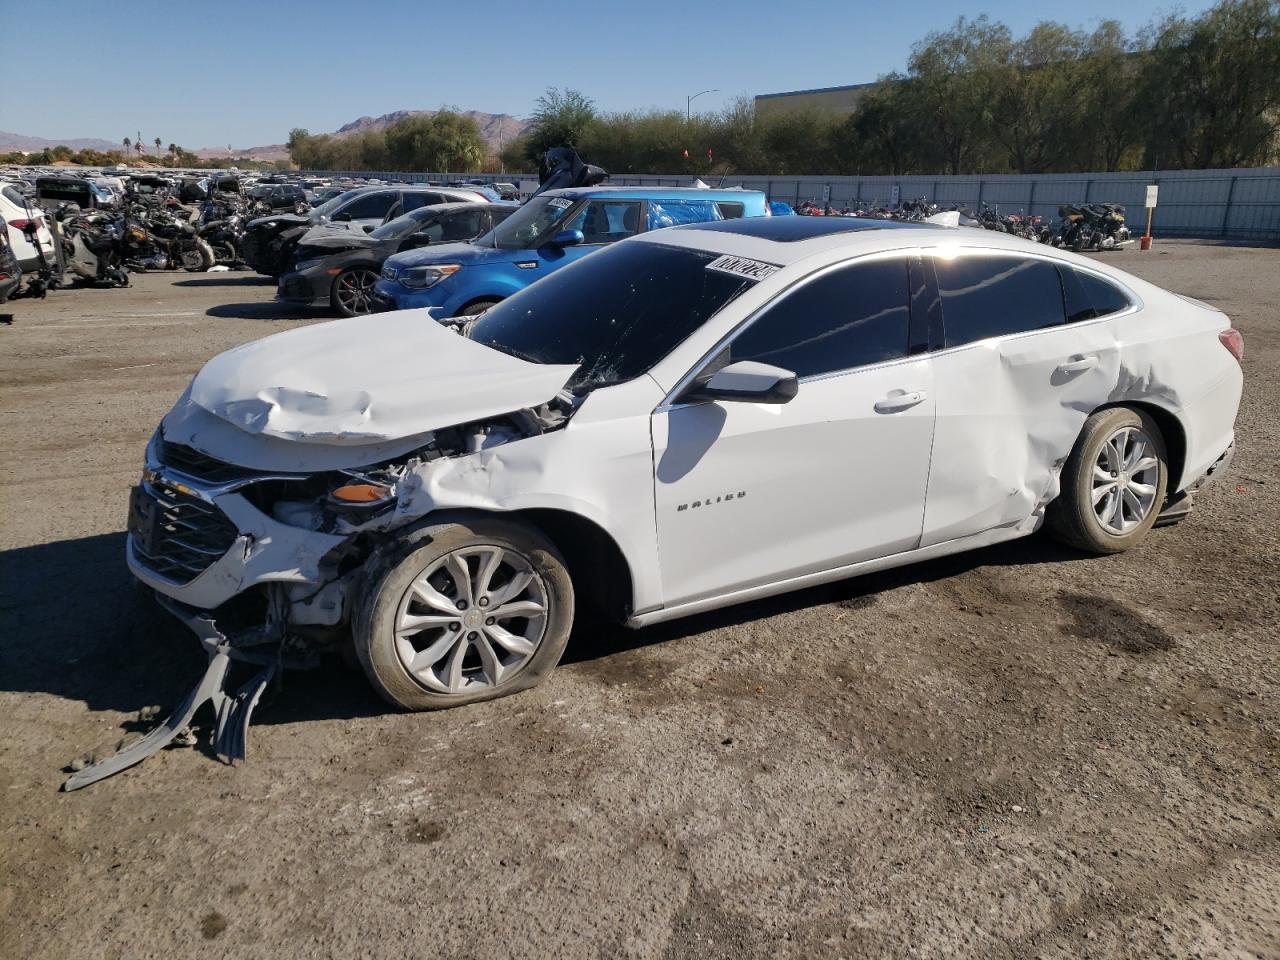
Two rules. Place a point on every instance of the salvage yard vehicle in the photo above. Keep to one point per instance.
(10, 272)
(339, 268)
(17, 211)
(267, 245)
(691, 418)
(550, 231)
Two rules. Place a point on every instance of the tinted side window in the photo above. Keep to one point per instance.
(1088, 297)
(462, 225)
(606, 221)
(412, 201)
(370, 206)
(852, 316)
(730, 211)
(990, 296)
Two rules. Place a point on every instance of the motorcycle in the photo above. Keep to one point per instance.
(93, 245)
(1092, 226)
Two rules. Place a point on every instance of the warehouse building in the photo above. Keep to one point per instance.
(835, 100)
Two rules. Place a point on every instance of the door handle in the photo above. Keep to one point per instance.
(1079, 365)
(900, 400)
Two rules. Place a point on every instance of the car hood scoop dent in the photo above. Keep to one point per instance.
(367, 380)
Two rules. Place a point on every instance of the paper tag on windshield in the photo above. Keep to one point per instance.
(560, 202)
(742, 267)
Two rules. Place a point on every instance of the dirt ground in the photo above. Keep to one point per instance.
(1019, 752)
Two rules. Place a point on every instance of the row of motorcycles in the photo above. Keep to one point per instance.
(144, 231)
(1090, 226)
(103, 246)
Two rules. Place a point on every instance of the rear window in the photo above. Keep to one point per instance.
(991, 296)
(1088, 297)
(731, 211)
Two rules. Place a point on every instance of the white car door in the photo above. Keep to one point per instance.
(751, 493)
(1014, 383)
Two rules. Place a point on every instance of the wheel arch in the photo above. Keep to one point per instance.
(1172, 432)
(481, 298)
(601, 574)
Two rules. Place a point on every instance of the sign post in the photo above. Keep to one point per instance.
(1153, 192)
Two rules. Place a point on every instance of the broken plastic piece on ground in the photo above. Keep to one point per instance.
(219, 268)
(231, 735)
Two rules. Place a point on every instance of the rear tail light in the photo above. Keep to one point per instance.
(1234, 342)
(21, 224)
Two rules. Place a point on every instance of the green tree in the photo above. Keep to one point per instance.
(1211, 87)
(951, 78)
(443, 141)
(560, 119)
(1112, 116)
(1037, 97)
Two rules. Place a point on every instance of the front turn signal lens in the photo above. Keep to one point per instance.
(358, 493)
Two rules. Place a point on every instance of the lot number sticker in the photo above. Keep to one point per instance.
(742, 267)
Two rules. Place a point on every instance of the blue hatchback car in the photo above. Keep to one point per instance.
(551, 230)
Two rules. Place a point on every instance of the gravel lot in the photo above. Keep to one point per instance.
(1018, 752)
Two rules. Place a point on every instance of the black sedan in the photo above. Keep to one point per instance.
(339, 266)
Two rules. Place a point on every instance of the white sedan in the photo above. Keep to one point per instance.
(690, 418)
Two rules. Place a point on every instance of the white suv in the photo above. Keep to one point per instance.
(690, 418)
(16, 211)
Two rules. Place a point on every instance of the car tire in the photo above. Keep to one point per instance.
(352, 291)
(1113, 483)
(477, 308)
(414, 585)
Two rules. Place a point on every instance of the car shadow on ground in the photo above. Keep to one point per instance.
(594, 642)
(76, 626)
(228, 280)
(260, 311)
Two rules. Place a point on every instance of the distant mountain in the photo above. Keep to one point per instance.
(16, 141)
(497, 129)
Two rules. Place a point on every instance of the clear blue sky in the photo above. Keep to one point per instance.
(231, 71)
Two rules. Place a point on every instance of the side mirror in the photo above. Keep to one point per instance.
(749, 382)
(368, 229)
(342, 218)
(568, 238)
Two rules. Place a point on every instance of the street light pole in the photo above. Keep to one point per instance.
(688, 103)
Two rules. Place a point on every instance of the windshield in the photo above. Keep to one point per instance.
(522, 228)
(632, 305)
(330, 205)
(401, 225)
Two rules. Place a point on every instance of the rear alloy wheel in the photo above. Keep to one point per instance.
(1113, 484)
(352, 293)
(468, 611)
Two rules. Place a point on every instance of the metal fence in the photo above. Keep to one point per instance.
(1239, 204)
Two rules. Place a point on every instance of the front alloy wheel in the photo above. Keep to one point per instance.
(472, 618)
(461, 612)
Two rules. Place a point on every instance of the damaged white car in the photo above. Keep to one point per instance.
(691, 418)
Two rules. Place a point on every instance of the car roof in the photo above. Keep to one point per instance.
(411, 187)
(654, 193)
(767, 239)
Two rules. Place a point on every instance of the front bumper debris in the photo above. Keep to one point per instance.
(232, 710)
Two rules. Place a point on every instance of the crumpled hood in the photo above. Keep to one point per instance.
(367, 380)
(338, 238)
(464, 252)
(273, 220)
